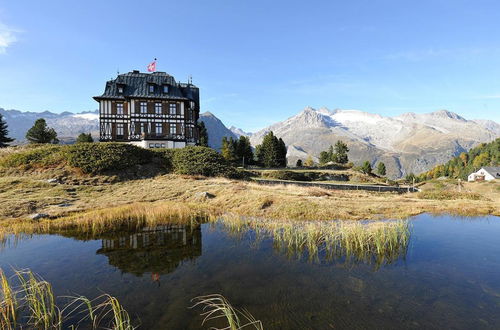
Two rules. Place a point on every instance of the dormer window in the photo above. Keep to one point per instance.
(120, 89)
(151, 88)
(165, 89)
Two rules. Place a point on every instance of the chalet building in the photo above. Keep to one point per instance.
(150, 110)
(485, 174)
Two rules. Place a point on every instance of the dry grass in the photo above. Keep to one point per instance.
(24, 195)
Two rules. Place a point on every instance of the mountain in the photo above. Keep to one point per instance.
(239, 132)
(407, 143)
(216, 130)
(67, 124)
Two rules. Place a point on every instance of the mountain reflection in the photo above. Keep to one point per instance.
(157, 250)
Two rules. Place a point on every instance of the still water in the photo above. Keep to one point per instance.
(448, 277)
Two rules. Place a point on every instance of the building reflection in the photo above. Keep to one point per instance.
(156, 250)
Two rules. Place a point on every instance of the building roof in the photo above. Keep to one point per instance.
(493, 170)
(136, 84)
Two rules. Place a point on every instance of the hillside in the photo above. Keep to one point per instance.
(216, 130)
(485, 154)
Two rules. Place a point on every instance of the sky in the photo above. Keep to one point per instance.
(258, 62)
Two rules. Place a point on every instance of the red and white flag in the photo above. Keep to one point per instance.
(152, 66)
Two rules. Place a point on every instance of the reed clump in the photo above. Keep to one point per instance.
(28, 301)
(375, 241)
(216, 306)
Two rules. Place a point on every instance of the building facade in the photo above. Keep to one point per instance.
(485, 174)
(150, 110)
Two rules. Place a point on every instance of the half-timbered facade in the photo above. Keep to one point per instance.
(151, 110)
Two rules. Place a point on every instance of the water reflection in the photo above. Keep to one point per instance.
(157, 250)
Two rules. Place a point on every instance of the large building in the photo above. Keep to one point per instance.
(150, 110)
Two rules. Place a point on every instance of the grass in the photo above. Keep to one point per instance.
(215, 306)
(32, 304)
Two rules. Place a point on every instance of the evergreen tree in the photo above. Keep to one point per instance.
(272, 151)
(341, 151)
(4, 139)
(40, 133)
(203, 141)
(324, 157)
(82, 138)
(299, 163)
(381, 170)
(366, 167)
(228, 150)
(244, 153)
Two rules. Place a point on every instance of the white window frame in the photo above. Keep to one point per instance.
(119, 108)
(158, 129)
(143, 128)
(120, 90)
(119, 129)
(173, 128)
(144, 107)
(158, 108)
(172, 107)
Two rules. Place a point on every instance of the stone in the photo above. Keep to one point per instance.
(38, 216)
(204, 195)
(53, 181)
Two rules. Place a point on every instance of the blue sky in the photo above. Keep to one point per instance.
(258, 62)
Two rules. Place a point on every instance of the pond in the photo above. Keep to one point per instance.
(448, 276)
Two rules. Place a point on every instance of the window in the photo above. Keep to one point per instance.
(151, 88)
(119, 130)
(151, 145)
(120, 90)
(142, 128)
(158, 108)
(144, 107)
(173, 128)
(157, 145)
(173, 108)
(163, 145)
(119, 108)
(165, 89)
(159, 129)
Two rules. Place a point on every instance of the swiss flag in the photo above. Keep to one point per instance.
(152, 66)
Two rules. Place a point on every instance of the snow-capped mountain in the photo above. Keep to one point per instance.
(407, 143)
(67, 124)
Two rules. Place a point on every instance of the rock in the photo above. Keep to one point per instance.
(53, 181)
(204, 195)
(38, 216)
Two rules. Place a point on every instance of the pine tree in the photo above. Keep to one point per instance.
(4, 139)
(203, 141)
(272, 151)
(381, 170)
(228, 149)
(40, 133)
(324, 157)
(281, 152)
(341, 151)
(84, 138)
(244, 151)
(366, 167)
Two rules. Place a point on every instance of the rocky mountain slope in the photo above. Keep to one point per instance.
(407, 143)
(67, 124)
(216, 130)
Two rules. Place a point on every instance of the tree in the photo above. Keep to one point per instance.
(366, 167)
(203, 135)
(341, 151)
(381, 168)
(299, 163)
(309, 161)
(4, 139)
(83, 138)
(40, 133)
(228, 150)
(244, 153)
(324, 157)
(271, 152)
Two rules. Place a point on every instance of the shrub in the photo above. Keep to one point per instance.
(39, 156)
(201, 161)
(447, 195)
(100, 157)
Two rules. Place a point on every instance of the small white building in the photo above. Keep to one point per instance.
(485, 174)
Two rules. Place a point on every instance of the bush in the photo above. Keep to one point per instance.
(39, 156)
(100, 157)
(304, 176)
(447, 195)
(201, 161)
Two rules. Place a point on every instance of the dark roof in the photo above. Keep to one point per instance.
(136, 85)
(493, 170)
